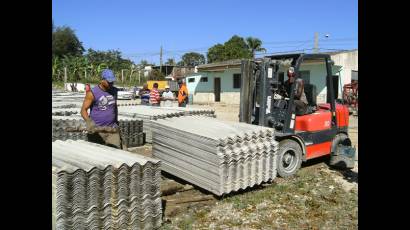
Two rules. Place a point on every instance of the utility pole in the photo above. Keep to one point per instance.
(315, 48)
(160, 61)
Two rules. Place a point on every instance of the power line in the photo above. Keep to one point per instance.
(205, 48)
(177, 54)
(300, 50)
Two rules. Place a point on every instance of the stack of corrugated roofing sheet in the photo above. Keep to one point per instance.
(131, 129)
(190, 111)
(98, 187)
(67, 104)
(150, 113)
(65, 111)
(67, 99)
(126, 103)
(218, 156)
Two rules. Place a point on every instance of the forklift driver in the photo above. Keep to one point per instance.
(300, 100)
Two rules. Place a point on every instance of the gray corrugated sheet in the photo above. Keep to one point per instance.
(65, 111)
(218, 156)
(66, 104)
(98, 187)
(149, 113)
(131, 129)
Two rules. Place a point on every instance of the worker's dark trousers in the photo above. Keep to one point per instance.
(109, 139)
(300, 107)
(183, 104)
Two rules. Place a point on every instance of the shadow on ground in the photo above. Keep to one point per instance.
(348, 174)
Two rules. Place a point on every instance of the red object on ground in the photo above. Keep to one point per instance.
(351, 94)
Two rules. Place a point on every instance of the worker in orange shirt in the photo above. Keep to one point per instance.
(182, 93)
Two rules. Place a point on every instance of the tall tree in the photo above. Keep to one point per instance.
(66, 42)
(144, 63)
(234, 48)
(254, 45)
(156, 75)
(112, 58)
(193, 59)
(216, 53)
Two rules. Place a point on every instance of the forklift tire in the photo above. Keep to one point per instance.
(340, 138)
(289, 158)
(340, 161)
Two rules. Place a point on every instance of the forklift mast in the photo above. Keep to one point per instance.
(260, 83)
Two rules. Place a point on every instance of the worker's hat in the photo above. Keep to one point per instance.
(108, 75)
(291, 69)
(167, 87)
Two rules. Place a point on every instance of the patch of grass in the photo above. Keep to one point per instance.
(58, 84)
(186, 223)
(309, 200)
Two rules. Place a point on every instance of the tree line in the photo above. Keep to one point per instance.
(69, 57)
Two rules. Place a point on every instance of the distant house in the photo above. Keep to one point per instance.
(174, 72)
(216, 82)
(166, 69)
(221, 82)
(350, 64)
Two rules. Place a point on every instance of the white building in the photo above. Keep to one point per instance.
(350, 65)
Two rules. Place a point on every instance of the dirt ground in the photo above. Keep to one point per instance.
(318, 197)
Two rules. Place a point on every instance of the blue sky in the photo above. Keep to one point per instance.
(138, 28)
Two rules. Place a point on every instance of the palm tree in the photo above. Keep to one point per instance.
(254, 45)
(170, 61)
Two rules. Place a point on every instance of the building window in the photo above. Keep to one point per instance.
(237, 81)
(190, 80)
(204, 79)
(305, 75)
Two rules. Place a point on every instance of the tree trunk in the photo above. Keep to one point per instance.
(65, 75)
(132, 71)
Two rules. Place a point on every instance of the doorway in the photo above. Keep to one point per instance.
(217, 89)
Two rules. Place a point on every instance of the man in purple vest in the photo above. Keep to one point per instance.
(102, 102)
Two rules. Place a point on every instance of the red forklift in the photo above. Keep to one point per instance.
(322, 131)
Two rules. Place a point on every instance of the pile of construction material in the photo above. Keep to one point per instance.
(218, 156)
(98, 187)
(73, 127)
(62, 104)
(190, 111)
(151, 113)
(67, 99)
(65, 111)
(126, 103)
